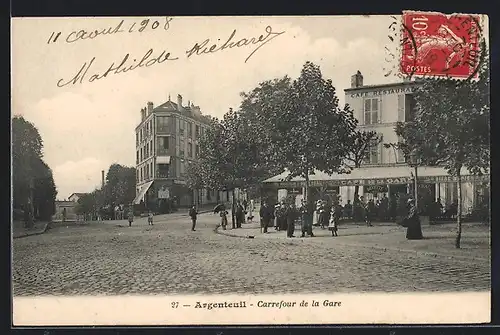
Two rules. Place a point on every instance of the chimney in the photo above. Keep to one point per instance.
(150, 107)
(102, 178)
(357, 80)
(179, 102)
(143, 114)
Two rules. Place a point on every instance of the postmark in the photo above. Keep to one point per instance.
(436, 44)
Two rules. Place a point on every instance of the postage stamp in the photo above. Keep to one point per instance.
(436, 44)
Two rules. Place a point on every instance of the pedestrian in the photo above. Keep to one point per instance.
(150, 218)
(130, 217)
(290, 215)
(223, 216)
(193, 213)
(348, 209)
(307, 212)
(266, 215)
(250, 211)
(245, 204)
(370, 212)
(240, 214)
(334, 218)
(277, 208)
(414, 229)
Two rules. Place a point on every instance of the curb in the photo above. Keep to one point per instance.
(45, 228)
(376, 247)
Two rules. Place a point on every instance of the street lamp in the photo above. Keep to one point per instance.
(413, 162)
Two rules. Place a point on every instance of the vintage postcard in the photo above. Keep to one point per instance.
(251, 170)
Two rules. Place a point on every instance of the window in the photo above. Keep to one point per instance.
(181, 127)
(371, 111)
(136, 138)
(162, 123)
(189, 129)
(197, 131)
(141, 175)
(401, 107)
(140, 136)
(137, 176)
(183, 167)
(181, 147)
(151, 169)
(190, 150)
(137, 157)
(197, 151)
(163, 145)
(409, 107)
(141, 155)
(162, 170)
(373, 153)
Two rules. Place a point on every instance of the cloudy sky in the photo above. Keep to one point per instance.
(88, 126)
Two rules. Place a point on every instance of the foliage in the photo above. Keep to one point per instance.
(120, 185)
(450, 126)
(359, 143)
(194, 178)
(33, 183)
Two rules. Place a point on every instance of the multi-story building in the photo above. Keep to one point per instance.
(167, 140)
(385, 170)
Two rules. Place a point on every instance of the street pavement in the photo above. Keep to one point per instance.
(168, 258)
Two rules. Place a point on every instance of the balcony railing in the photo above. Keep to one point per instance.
(162, 129)
(162, 174)
(162, 152)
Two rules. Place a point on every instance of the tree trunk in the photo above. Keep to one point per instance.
(218, 196)
(356, 191)
(459, 210)
(306, 189)
(233, 209)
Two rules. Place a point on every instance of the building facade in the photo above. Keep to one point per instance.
(385, 170)
(167, 140)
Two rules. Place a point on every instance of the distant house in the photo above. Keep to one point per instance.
(75, 196)
(65, 206)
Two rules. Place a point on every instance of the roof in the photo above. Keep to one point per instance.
(77, 194)
(365, 87)
(168, 106)
(186, 111)
(401, 174)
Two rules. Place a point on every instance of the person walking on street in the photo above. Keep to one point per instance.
(193, 214)
(130, 217)
(414, 229)
(266, 216)
(240, 214)
(370, 211)
(290, 215)
(307, 212)
(334, 218)
(150, 218)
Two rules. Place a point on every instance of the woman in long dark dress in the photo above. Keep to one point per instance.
(414, 229)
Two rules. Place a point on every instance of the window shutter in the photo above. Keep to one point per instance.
(380, 148)
(379, 113)
(401, 107)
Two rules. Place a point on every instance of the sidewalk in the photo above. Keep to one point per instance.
(18, 229)
(438, 240)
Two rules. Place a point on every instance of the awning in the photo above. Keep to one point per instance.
(163, 160)
(142, 192)
(372, 176)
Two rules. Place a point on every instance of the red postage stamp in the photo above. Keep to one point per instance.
(435, 44)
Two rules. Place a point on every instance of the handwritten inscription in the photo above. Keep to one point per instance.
(125, 65)
(119, 28)
(207, 47)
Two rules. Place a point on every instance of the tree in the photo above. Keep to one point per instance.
(450, 127)
(194, 178)
(33, 183)
(358, 145)
(256, 110)
(309, 128)
(120, 185)
(87, 204)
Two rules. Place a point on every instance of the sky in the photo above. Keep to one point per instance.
(88, 126)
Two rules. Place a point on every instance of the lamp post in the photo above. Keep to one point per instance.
(414, 163)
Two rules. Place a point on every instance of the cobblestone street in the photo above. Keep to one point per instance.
(167, 258)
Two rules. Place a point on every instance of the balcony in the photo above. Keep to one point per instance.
(162, 152)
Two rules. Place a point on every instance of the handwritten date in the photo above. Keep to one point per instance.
(121, 27)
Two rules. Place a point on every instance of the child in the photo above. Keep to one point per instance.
(130, 218)
(223, 215)
(150, 218)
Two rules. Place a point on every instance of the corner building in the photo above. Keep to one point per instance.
(167, 140)
(384, 171)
